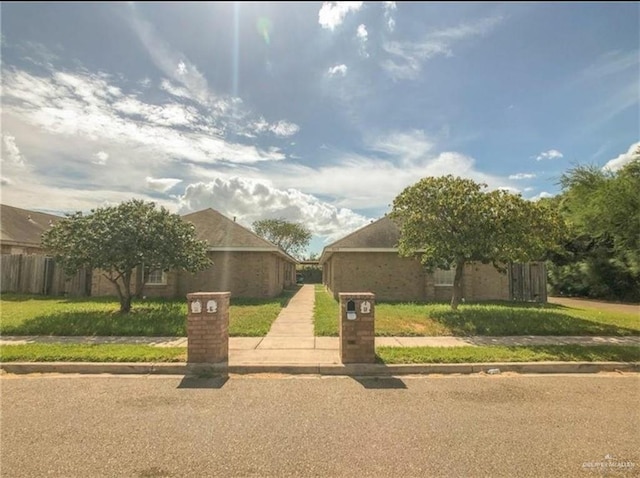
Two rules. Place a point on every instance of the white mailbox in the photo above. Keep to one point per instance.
(212, 306)
(196, 307)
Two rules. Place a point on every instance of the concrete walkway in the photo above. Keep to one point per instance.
(331, 343)
(293, 328)
(318, 351)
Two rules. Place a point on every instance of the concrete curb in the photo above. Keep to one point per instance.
(182, 368)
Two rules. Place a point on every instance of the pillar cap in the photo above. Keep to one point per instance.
(200, 295)
(357, 295)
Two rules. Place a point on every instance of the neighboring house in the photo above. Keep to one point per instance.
(367, 260)
(243, 263)
(25, 267)
(21, 230)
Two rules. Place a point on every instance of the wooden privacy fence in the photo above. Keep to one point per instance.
(528, 282)
(35, 274)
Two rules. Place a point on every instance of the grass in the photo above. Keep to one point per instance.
(493, 319)
(91, 353)
(94, 316)
(495, 353)
(388, 355)
(325, 313)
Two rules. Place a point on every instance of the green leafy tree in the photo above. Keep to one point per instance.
(602, 256)
(119, 239)
(291, 237)
(448, 221)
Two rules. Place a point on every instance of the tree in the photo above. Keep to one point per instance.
(291, 237)
(119, 239)
(602, 256)
(449, 221)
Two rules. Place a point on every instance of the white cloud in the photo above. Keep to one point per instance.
(551, 154)
(162, 184)
(172, 63)
(284, 128)
(394, 161)
(29, 194)
(174, 90)
(519, 176)
(370, 182)
(332, 14)
(145, 82)
(619, 68)
(5, 181)
(362, 35)
(389, 8)
(542, 195)
(11, 154)
(362, 32)
(101, 158)
(281, 128)
(337, 70)
(408, 146)
(405, 59)
(86, 106)
(610, 64)
(615, 164)
(250, 200)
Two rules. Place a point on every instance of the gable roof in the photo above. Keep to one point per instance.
(222, 233)
(23, 227)
(379, 236)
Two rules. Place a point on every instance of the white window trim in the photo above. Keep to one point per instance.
(163, 279)
(443, 284)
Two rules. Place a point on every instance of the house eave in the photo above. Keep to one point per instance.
(328, 251)
(6, 242)
(273, 250)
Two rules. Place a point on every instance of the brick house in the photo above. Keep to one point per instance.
(367, 260)
(25, 267)
(21, 230)
(243, 263)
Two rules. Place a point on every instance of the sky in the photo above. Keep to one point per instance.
(319, 113)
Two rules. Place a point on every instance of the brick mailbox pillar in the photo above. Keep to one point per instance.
(208, 327)
(357, 327)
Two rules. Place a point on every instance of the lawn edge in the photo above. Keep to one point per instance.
(182, 368)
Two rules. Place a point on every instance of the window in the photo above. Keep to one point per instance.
(156, 277)
(444, 277)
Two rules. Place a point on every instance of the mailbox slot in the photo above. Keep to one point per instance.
(351, 310)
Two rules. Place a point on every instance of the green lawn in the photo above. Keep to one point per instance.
(388, 355)
(499, 319)
(38, 315)
(496, 353)
(91, 353)
(325, 313)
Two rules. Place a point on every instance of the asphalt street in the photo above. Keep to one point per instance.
(480, 425)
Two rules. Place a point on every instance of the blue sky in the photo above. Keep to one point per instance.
(316, 112)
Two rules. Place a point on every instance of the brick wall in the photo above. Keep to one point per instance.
(387, 275)
(101, 286)
(357, 336)
(244, 274)
(208, 331)
(484, 282)
(392, 277)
